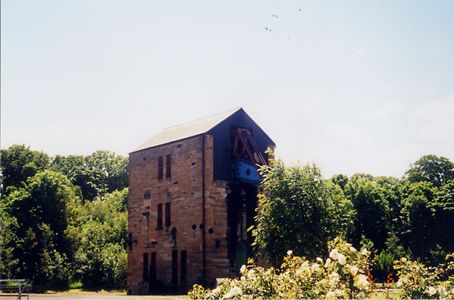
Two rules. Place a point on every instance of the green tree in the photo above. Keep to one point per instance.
(443, 210)
(96, 174)
(340, 179)
(373, 217)
(19, 163)
(418, 222)
(298, 211)
(7, 262)
(41, 209)
(99, 236)
(431, 168)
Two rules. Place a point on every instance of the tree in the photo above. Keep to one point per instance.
(443, 210)
(373, 218)
(7, 261)
(418, 218)
(99, 236)
(19, 163)
(431, 168)
(298, 211)
(41, 209)
(96, 174)
(340, 179)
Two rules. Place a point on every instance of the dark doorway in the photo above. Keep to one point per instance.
(145, 267)
(174, 269)
(153, 286)
(183, 269)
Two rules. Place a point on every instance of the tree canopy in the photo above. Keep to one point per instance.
(299, 210)
(431, 168)
(63, 219)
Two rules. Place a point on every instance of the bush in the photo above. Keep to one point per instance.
(342, 275)
(418, 281)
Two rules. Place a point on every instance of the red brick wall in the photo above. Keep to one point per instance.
(185, 186)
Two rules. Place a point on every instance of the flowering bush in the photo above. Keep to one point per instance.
(342, 275)
(419, 281)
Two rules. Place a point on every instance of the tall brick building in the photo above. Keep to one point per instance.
(192, 196)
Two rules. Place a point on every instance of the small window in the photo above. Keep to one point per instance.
(147, 194)
(159, 220)
(168, 168)
(145, 267)
(160, 167)
(167, 218)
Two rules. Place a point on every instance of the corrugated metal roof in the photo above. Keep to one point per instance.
(186, 130)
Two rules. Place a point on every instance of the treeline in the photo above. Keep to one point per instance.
(63, 219)
(408, 217)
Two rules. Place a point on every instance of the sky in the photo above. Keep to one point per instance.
(352, 86)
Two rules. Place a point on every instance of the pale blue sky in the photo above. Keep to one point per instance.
(354, 86)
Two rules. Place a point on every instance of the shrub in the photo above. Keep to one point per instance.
(342, 275)
(418, 281)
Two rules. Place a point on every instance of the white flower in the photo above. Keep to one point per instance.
(289, 252)
(331, 295)
(319, 259)
(334, 254)
(361, 295)
(364, 252)
(354, 270)
(333, 278)
(342, 259)
(250, 273)
(352, 249)
(360, 281)
(235, 291)
(243, 269)
(431, 291)
(403, 259)
(328, 262)
(243, 278)
(216, 290)
(315, 267)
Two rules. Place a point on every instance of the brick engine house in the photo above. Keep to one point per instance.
(192, 196)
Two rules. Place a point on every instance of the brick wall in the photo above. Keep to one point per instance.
(184, 192)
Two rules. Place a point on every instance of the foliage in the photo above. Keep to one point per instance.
(41, 209)
(342, 275)
(298, 210)
(431, 168)
(19, 162)
(96, 174)
(418, 281)
(47, 234)
(7, 223)
(99, 237)
(373, 213)
(443, 213)
(418, 218)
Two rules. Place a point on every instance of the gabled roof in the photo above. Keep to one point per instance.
(186, 130)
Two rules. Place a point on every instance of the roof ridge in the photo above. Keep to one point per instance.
(233, 110)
